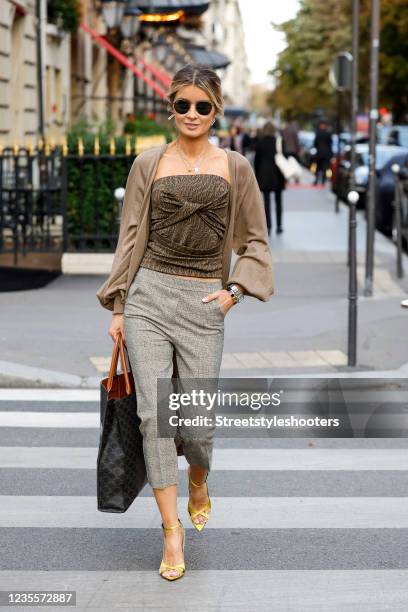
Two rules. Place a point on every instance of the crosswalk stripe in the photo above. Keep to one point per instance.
(227, 512)
(275, 548)
(256, 590)
(50, 395)
(278, 483)
(49, 419)
(223, 459)
(354, 395)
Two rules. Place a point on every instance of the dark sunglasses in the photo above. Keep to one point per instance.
(182, 106)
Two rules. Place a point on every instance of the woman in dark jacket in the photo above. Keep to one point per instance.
(268, 175)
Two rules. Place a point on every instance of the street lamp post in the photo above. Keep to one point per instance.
(112, 11)
(41, 130)
(130, 24)
(353, 196)
(122, 21)
(372, 180)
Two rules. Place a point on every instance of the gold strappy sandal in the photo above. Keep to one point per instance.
(205, 511)
(180, 567)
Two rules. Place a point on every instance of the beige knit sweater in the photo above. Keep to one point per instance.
(246, 232)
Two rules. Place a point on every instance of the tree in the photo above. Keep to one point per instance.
(320, 30)
(393, 86)
(65, 14)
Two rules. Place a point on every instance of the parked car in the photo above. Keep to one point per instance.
(345, 139)
(383, 154)
(386, 194)
(393, 135)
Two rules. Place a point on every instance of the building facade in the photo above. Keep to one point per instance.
(224, 31)
(19, 79)
(81, 80)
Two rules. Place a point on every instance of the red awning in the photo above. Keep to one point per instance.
(158, 74)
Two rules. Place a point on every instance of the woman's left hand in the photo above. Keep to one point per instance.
(224, 298)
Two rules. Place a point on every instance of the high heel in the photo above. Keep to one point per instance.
(205, 511)
(180, 566)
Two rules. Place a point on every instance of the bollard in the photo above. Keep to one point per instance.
(397, 215)
(119, 194)
(353, 198)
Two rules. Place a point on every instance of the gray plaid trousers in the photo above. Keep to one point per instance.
(162, 314)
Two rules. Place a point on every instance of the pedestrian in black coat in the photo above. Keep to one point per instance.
(323, 143)
(267, 173)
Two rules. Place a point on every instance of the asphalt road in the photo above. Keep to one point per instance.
(297, 524)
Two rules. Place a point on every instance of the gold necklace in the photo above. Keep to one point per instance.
(190, 168)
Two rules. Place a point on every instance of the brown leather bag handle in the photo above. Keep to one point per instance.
(118, 348)
(124, 367)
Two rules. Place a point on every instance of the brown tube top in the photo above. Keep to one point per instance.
(187, 224)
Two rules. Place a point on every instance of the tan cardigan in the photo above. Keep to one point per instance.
(246, 231)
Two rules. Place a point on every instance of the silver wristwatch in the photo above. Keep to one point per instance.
(235, 293)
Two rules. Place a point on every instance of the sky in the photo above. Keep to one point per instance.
(262, 42)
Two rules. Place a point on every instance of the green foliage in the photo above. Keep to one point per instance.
(393, 58)
(91, 206)
(65, 14)
(320, 30)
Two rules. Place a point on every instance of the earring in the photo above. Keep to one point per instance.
(170, 117)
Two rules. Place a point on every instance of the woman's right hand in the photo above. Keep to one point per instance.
(117, 326)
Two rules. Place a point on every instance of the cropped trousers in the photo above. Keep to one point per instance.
(165, 314)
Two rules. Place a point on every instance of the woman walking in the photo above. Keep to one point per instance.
(268, 175)
(187, 205)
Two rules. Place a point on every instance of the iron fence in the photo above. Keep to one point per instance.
(54, 201)
(31, 210)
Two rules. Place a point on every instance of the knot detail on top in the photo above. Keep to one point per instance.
(188, 220)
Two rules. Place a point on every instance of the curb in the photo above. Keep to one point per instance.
(16, 375)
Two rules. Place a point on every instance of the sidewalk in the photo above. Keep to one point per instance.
(57, 336)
